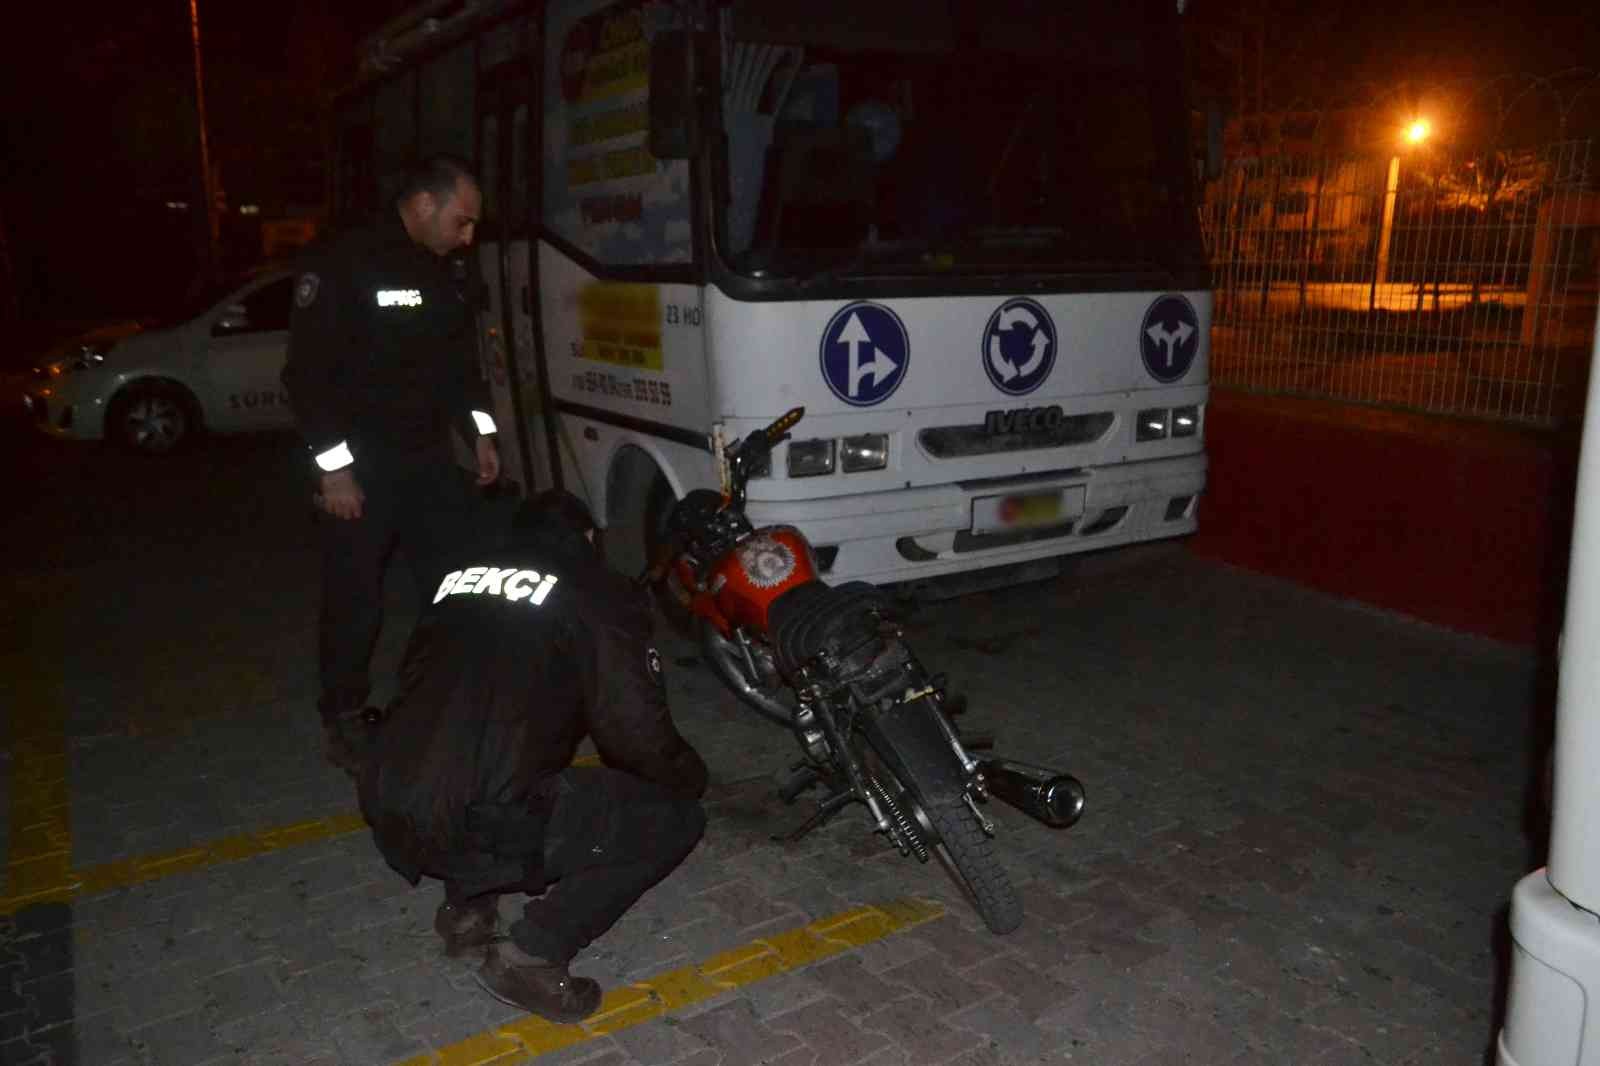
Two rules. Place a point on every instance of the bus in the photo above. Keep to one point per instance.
(962, 234)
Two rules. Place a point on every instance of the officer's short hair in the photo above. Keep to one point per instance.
(553, 519)
(436, 175)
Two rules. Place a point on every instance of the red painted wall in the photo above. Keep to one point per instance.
(1457, 522)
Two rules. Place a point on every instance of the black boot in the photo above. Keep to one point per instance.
(512, 976)
(467, 926)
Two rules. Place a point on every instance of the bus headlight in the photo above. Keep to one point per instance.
(1185, 421)
(869, 452)
(1152, 424)
(809, 458)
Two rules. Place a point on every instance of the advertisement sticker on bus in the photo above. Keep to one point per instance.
(603, 190)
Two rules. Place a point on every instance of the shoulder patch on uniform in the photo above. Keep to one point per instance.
(305, 291)
(652, 663)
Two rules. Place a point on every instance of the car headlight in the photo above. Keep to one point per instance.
(1152, 424)
(809, 458)
(89, 357)
(1185, 421)
(867, 452)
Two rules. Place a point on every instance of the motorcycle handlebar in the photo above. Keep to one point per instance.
(780, 429)
(742, 453)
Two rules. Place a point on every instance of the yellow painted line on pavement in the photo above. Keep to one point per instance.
(629, 1005)
(39, 869)
(40, 813)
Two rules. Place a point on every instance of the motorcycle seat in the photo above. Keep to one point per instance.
(816, 617)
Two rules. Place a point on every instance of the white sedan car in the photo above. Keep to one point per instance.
(214, 365)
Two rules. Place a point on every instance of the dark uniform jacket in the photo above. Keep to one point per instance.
(382, 347)
(521, 654)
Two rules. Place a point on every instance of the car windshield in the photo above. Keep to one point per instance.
(1008, 135)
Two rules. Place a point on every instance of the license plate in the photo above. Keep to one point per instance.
(1027, 510)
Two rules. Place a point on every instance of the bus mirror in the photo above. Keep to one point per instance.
(674, 116)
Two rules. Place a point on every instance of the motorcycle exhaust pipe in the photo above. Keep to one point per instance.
(1056, 799)
(727, 661)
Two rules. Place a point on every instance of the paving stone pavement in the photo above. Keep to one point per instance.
(1298, 848)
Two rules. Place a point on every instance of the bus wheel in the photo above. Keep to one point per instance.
(657, 508)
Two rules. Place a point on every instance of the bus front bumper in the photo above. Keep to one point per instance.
(914, 534)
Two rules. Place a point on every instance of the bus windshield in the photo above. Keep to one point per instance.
(998, 142)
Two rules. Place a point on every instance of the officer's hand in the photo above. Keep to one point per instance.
(488, 461)
(341, 495)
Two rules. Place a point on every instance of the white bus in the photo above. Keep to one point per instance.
(961, 234)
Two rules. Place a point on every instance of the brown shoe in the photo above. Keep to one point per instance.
(543, 988)
(467, 926)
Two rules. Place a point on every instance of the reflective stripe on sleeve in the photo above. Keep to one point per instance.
(336, 458)
(484, 423)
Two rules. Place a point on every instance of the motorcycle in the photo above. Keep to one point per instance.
(830, 664)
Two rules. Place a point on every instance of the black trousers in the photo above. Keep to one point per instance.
(610, 837)
(426, 508)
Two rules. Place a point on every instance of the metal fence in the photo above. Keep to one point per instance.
(1457, 279)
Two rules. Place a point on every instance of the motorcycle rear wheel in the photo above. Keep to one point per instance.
(953, 832)
(969, 853)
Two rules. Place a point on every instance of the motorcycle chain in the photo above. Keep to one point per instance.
(907, 837)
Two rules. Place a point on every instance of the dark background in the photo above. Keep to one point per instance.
(98, 133)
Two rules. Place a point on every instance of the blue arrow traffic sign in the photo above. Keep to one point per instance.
(1169, 338)
(864, 353)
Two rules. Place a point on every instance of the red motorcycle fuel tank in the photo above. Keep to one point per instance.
(764, 566)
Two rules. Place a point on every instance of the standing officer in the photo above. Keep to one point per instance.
(519, 655)
(382, 364)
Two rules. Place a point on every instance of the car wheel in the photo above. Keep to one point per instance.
(151, 418)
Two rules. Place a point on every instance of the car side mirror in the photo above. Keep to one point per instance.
(674, 107)
(234, 320)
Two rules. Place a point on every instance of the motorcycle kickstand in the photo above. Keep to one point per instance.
(825, 810)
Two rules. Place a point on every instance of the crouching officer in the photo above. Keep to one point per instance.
(382, 364)
(520, 654)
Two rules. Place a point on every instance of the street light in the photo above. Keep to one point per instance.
(1417, 131)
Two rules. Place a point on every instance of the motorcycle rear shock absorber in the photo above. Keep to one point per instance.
(904, 833)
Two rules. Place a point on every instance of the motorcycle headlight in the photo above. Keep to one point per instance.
(869, 452)
(1152, 424)
(809, 458)
(1185, 421)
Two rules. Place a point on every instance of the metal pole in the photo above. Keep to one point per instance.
(1380, 274)
(208, 183)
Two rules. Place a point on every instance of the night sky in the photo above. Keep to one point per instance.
(99, 124)
(99, 133)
